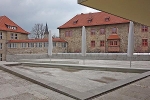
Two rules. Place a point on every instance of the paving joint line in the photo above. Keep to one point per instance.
(72, 93)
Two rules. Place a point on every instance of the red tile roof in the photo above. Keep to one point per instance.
(113, 37)
(5, 21)
(96, 19)
(36, 40)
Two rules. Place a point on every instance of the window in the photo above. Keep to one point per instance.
(102, 43)
(113, 43)
(92, 31)
(68, 33)
(92, 43)
(107, 19)
(75, 21)
(102, 31)
(90, 20)
(1, 45)
(54, 44)
(36, 44)
(63, 45)
(12, 45)
(23, 45)
(30, 44)
(45, 44)
(15, 36)
(114, 30)
(144, 42)
(1, 57)
(40, 44)
(12, 27)
(1, 35)
(144, 28)
(12, 36)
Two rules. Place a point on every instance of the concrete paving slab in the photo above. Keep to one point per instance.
(129, 92)
(24, 96)
(6, 92)
(136, 86)
(25, 91)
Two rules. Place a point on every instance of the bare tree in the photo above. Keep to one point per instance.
(38, 31)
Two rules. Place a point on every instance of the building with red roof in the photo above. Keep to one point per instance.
(105, 33)
(14, 40)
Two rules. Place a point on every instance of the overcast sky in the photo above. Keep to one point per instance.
(26, 13)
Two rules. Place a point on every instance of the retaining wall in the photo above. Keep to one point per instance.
(93, 56)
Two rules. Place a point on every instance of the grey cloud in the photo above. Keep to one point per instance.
(26, 13)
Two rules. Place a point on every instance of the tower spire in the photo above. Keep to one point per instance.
(46, 33)
(46, 29)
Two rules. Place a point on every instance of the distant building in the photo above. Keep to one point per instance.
(14, 40)
(105, 33)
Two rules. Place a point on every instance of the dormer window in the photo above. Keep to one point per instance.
(90, 20)
(11, 27)
(107, 19)
(75, 21)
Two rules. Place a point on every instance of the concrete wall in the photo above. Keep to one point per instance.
(93, 56)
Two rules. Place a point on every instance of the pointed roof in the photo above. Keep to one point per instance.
(46, 29)
(93, 19)
(8, 25)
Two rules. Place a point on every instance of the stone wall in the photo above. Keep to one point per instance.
(36, 50)
(20, 36)
(3, 41)
(6, 36)
(92, 56)
(74, 42)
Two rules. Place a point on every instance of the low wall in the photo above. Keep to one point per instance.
(92, 56)
(17, 57)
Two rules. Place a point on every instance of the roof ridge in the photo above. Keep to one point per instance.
(16, 24)
(6, 20)
(93, 19)
(90, 13)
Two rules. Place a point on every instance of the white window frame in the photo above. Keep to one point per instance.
(30, 45)
(40, 44)
(23, 45)
(12, 45)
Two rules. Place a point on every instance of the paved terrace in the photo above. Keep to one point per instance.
(15, 88)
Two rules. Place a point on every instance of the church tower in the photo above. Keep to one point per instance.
(46, 33)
